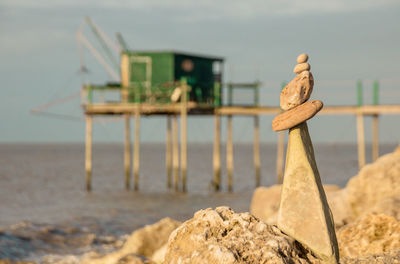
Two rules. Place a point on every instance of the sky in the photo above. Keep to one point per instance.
(346, 41)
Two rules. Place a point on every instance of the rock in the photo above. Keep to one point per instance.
(148, 239)
(301, 67)
(159, 256)
(9, 261)
(144, 242)
(390, 257)
(134, 259)
(340, 208)
(223, 236)
(297, 115)
(59, 259)
(369, 235)
(302, 58)
(374, 183)
(388, 206)
(304, 213)
(297, 91)
(265, 203)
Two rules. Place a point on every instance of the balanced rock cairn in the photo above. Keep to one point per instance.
(304, 213)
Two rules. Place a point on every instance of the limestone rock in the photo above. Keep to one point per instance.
(159, 256)
(134, 259)
(302, 58)
(388, 206)
(144, 241)
(223, 236)
(340, 208)
(297, 91)
(265, 203)
(374, 183)
(391, 257)
(301, 67)
(148, 239)
(369, 235)
(296, 116)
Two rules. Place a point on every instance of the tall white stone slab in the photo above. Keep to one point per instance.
(304, 213)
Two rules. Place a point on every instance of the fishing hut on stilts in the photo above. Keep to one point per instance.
(178, 85)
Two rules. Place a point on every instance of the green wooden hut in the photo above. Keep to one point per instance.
(152, 76)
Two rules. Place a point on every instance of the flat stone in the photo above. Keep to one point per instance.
(304, 212)
(297, 115)
(297, 91)
(302, 58)
(301, 67)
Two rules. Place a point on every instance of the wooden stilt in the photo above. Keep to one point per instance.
(217, 152)
(375, 137)
(136, 150)
(168, 152)
(280, 155)
(229, 153)
(360, 140)
(127, 152)
(184, 135)
(256, 149)
(88, 153)
(175, 152)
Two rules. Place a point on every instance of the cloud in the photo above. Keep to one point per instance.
(206, 9)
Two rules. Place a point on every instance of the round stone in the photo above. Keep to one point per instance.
(302, 58)
(301, 67)
(297, 115)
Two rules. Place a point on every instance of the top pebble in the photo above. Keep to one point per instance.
(302, 58)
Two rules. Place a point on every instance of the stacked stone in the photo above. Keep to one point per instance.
(294, 98)
(304, 213)
(302, 64)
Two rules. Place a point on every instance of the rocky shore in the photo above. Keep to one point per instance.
(366, 214)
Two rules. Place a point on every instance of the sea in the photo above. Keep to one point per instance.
(44, 204)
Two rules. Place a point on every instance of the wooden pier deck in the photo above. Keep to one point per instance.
(176, 164)
(192, 108)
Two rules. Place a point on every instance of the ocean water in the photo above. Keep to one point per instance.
(43, 184)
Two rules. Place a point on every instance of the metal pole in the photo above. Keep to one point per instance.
(359, 93)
